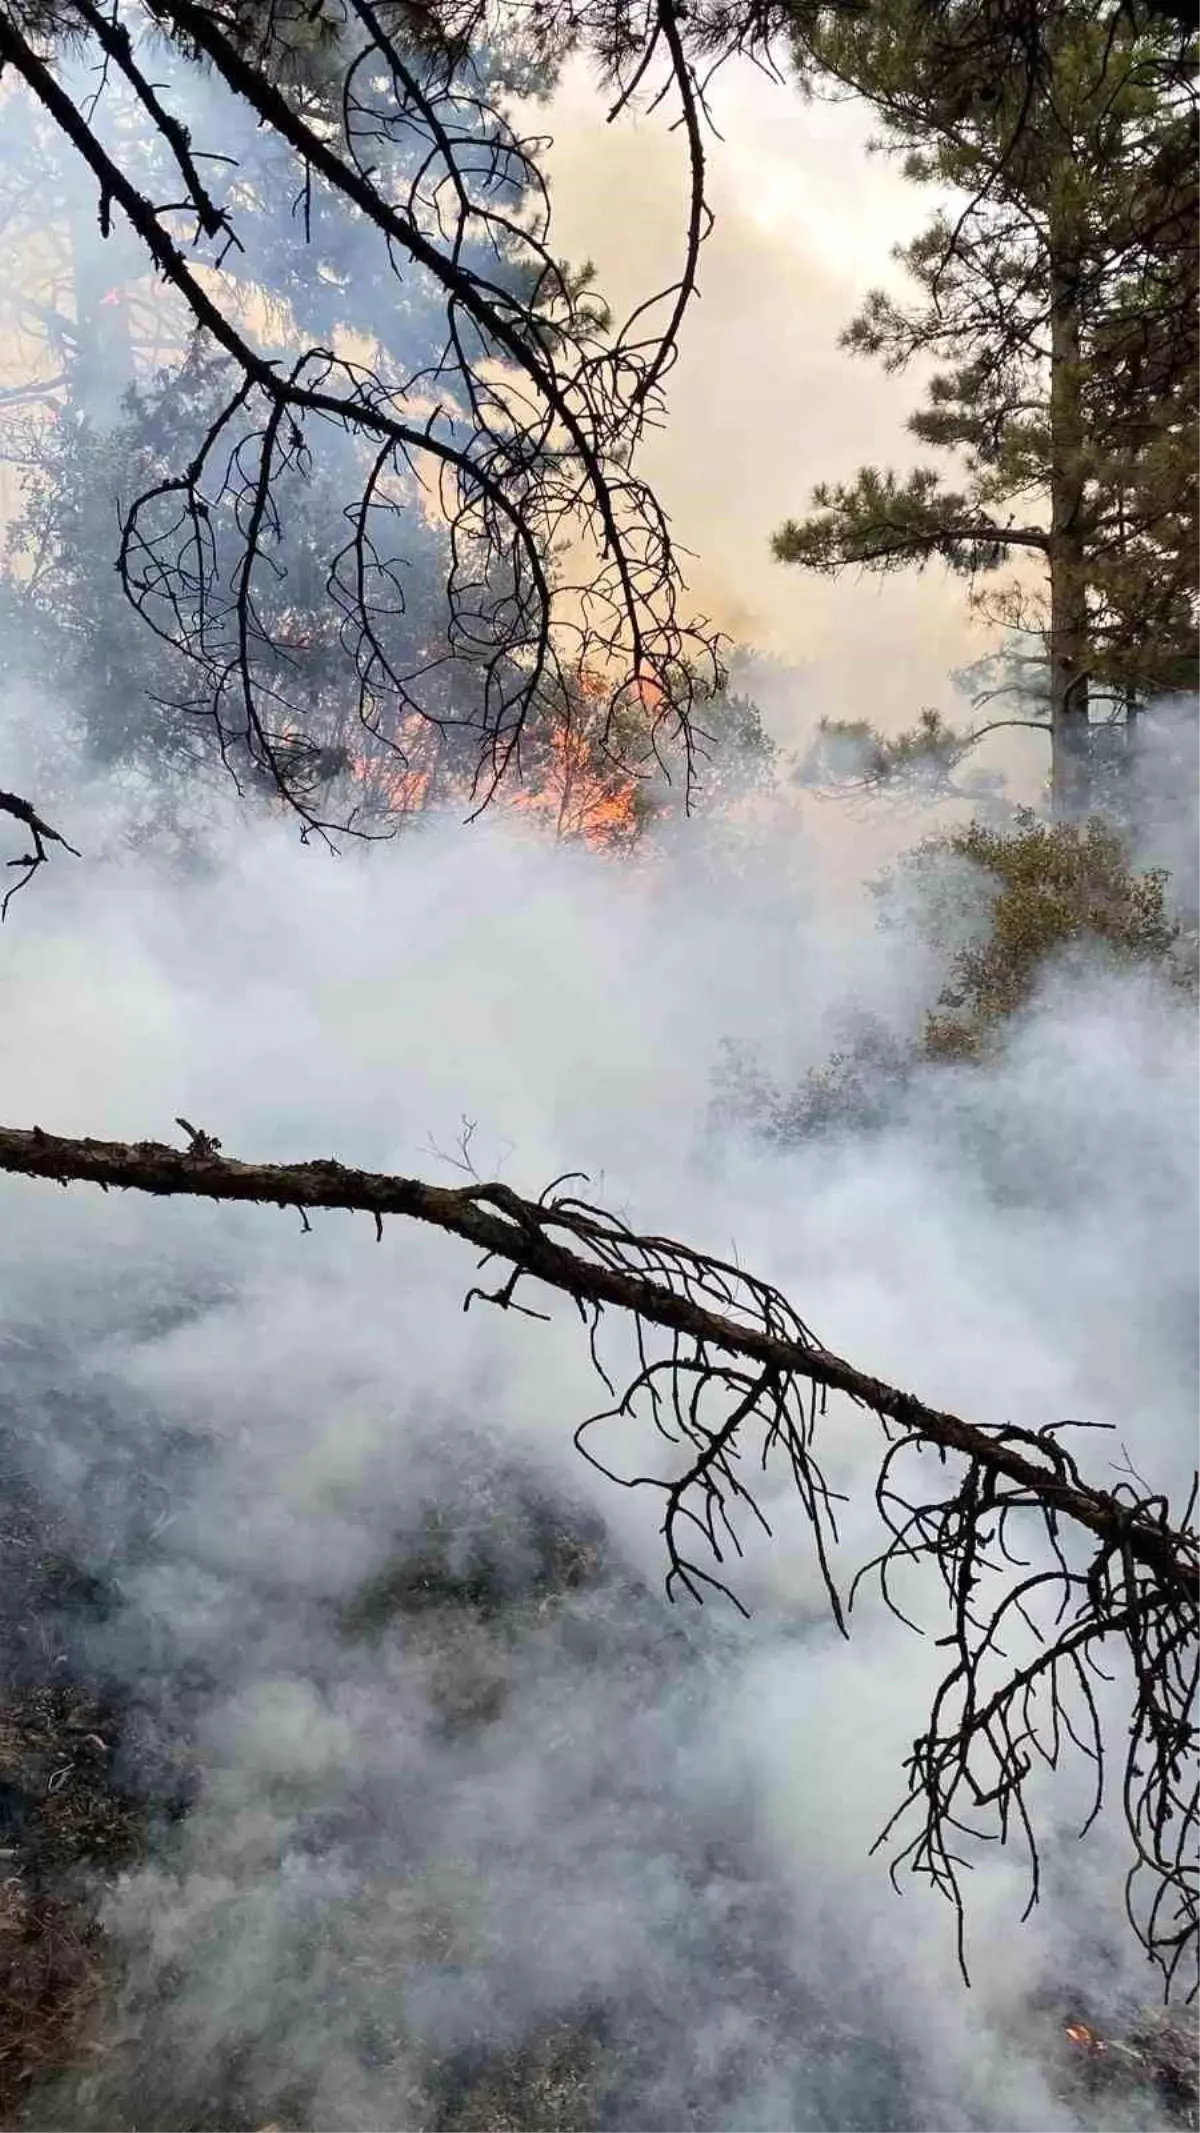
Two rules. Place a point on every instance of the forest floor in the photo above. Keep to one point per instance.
(66, 1826)
(72, 1820)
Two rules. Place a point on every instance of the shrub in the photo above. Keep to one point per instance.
(1051, 890)
(1057, 888)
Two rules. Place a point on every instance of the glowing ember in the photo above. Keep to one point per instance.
(1079, 2033)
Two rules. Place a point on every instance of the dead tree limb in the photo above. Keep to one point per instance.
(514, 426)
(1042, 1570)
(41, 833)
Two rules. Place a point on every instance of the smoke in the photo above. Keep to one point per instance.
(457, 1822)
(461, 1823)
(805, 224)
(1163, 798)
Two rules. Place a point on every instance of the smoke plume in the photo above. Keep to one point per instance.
(459, 1823)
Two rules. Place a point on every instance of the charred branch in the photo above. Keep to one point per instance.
(516, 436)
(40, 832)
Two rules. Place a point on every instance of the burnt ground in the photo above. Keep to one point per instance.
(86, 1790)
(89, 1779)
(68, 1824)
(86, 1793)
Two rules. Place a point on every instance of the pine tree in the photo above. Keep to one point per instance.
(1057, 293)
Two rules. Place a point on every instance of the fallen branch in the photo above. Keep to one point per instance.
(505, 1225)
(738, 1359)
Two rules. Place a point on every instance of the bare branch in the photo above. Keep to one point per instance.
(516, 436)
(1107, 1567)
(12, 804)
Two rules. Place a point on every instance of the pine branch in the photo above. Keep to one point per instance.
(525, 419)
(880, 522)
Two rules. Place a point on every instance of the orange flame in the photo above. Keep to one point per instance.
(1079, 2033)
(403, 780)
(580, 795)
(575, 788)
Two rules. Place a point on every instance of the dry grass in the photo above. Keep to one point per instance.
(59, 1846)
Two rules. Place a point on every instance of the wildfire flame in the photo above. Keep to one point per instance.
(579, 795)
(404, 781)
(574, 786)
(1079, 2033)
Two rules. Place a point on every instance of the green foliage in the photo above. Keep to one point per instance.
(1059, 304)
(852, 1091)
(736, 756)
(1056, 889)
(1051, 891)
(849, 753)
(879, 522)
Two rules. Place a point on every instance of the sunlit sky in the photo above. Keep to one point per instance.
(764, 403)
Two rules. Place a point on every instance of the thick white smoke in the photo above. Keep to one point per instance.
(446, 1812)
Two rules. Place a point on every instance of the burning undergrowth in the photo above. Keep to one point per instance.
(1153, 2051)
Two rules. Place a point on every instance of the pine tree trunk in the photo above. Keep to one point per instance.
(1069, 737)
(102, 370)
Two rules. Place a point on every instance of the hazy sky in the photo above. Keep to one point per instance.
(764, 403)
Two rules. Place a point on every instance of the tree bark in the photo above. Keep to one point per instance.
(1071, 768)
(102, 368)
